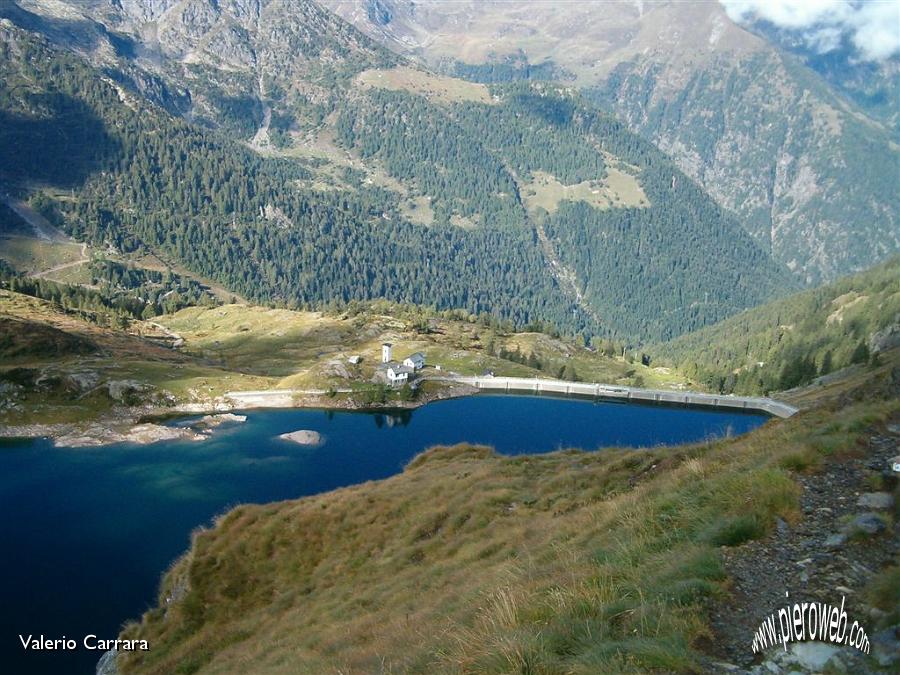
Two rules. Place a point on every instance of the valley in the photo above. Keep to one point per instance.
(425, 148)
(380, 336)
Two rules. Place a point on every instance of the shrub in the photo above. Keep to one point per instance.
(734, 530)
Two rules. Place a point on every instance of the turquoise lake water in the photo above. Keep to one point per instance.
(88, 532)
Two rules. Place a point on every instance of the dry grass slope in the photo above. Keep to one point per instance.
(617, 190)
(38, 340)
(438, 88)
(468, 561)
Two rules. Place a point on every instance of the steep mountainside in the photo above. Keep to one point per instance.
(398, 184)
(791, 341)
(811, 176)
(873, 85)
(217, 63)
(784, 144)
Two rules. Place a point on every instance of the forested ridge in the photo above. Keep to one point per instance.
(201, 199)
(142, 180)
(652, 272)
(790, 342)
(118, 293)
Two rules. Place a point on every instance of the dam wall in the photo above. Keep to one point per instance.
(621, 393)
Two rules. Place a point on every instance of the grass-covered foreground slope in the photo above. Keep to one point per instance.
(793, 340)
(469, 561)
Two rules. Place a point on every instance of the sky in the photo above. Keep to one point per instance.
(871, 26)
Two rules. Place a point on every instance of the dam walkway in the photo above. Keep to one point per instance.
(622, 393)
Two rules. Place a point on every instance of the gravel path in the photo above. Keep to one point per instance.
(819, 559)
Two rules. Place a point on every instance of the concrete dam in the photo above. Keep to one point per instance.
(624, 394)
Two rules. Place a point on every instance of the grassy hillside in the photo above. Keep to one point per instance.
(791, 341)
(57, 363)
(57, 366)
(468, 561)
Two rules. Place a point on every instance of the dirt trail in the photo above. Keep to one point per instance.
(811, 561)
(85, 258)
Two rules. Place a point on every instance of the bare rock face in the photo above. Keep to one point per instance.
(126, 391)
(146, 10)
(82, 381)
(336, 368)
(885, 339)
(303, 437)
(222, 63)
(763, 135)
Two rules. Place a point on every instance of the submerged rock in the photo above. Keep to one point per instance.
(212, 421)
(303, 437)
(141, 434)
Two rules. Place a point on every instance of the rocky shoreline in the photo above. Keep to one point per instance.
(139, 426)
(143, 425)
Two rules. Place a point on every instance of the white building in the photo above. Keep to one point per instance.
(415, 361)
(386, 350)
(398, 374)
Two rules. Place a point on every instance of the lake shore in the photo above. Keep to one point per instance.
(142, 425)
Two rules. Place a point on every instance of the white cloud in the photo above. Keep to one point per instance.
(872, 26)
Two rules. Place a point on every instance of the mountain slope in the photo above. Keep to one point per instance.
(150, 182)
(813, 179)
(217, 63)
(789, 342)
(809, 172)
(405, 186)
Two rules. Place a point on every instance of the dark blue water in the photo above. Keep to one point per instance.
(87, 533)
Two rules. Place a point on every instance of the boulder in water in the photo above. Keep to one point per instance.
(303, 437)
